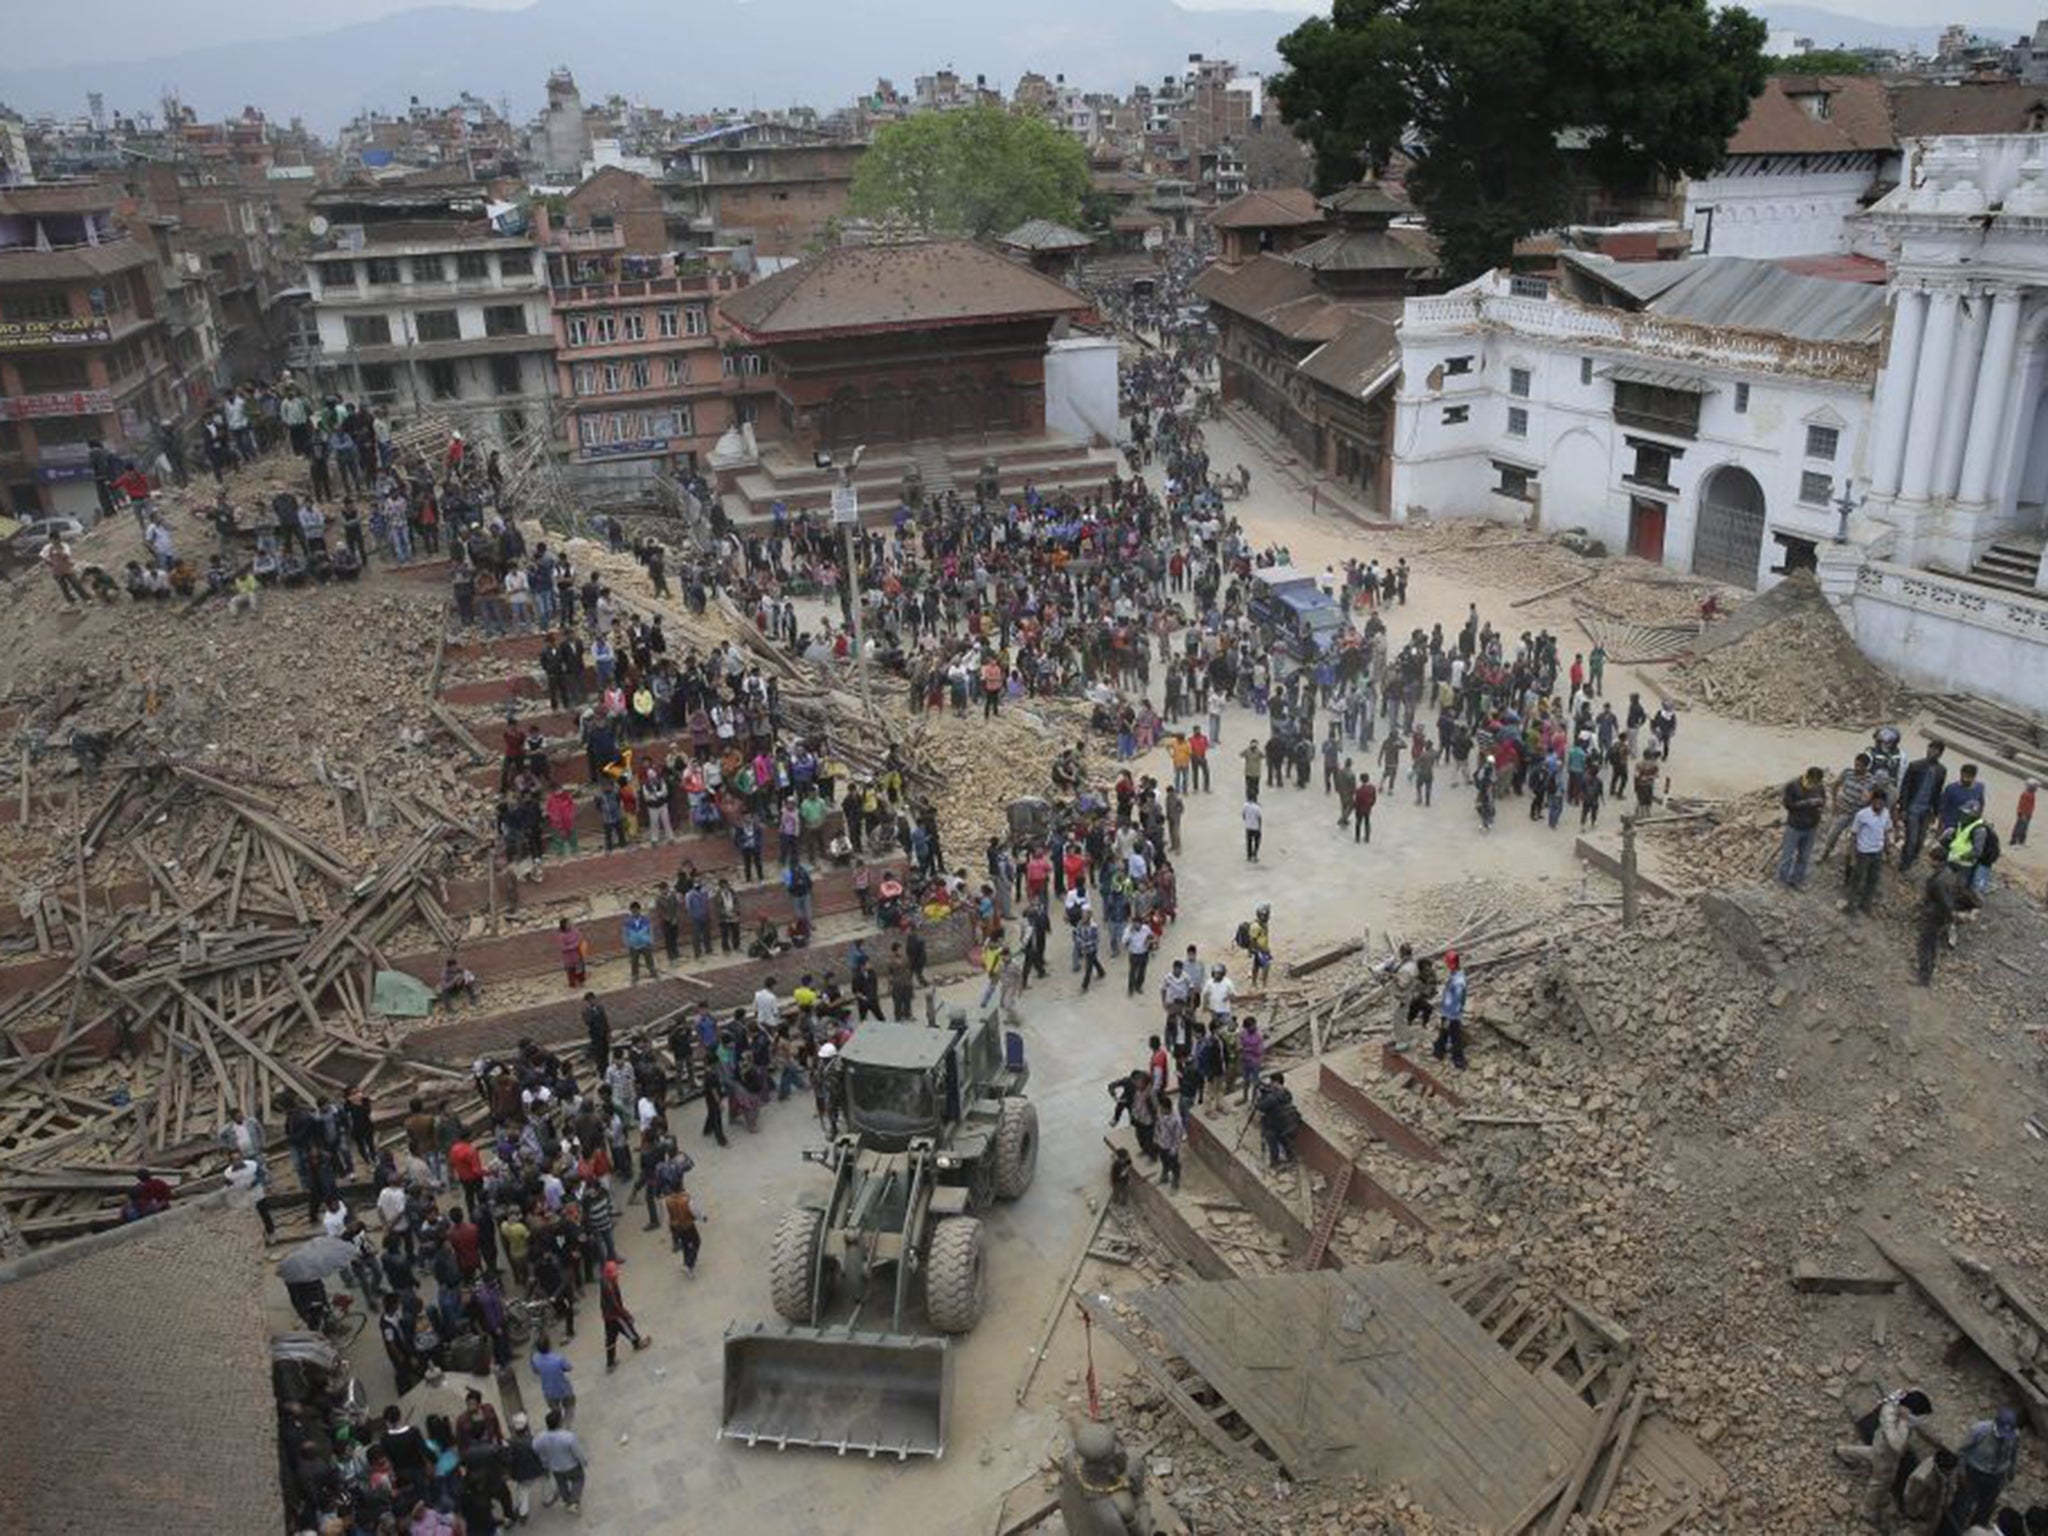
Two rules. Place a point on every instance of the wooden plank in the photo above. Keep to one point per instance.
(1953, 1303)
(1196, 1415)
(1596, 1442)
(1617, 1456)
(1060, 1296)
(1397, 1133)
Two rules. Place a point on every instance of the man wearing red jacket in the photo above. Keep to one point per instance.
(1363, 799)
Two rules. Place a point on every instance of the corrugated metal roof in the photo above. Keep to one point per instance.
(1658, 378)
(1745, 294)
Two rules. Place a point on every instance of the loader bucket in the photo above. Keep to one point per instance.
(885, 1394)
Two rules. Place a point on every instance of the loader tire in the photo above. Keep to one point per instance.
(793, 1263)
(1016, 1148)
(955, 1275)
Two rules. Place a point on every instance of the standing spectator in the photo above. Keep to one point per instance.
(561, 1453)
(556, 1388)
(611, 1303)
(639, 936)
(1805, 798)
(57, 556)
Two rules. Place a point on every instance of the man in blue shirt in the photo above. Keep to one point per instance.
(639, 934)
(555, 1386)
(1962, 801)
(1450, 1014)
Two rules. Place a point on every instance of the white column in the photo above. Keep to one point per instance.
(1994, 388)
(1923, 431)
(1957, 398)
(1909, 321)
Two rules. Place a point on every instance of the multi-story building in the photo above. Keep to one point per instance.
(427, 304)
(771, 186)
(646, 373)
(82, 351)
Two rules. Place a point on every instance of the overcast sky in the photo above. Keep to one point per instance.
(43, 32)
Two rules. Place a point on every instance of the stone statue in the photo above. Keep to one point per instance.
(988, 485)
(913, 486)
(1102, 1488)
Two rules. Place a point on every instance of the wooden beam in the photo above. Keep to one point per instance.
(1589, 1457)
(1060, 1297)
(1617, 1457)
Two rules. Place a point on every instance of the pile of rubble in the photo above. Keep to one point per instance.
(1663, 1120)
(1797, 667)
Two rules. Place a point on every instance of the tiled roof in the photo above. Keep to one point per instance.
(22, 266)
(57, 197)
(137, 1393)
(1367, 198)
(1990, 107)
(1279, 208)
(1256, 288)
(1272, 291)
(1361, 354)
(1858, 117)
(1369, 250)
(1045, 235)
(890, 287)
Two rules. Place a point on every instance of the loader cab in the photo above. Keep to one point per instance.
(905, 1082)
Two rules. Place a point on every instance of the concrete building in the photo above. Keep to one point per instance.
(424, 303)
(564, 139)
(1705, 414)
(647, 374)
(769, 186)
(1740, 419)
(1962, 407)
(1802, 165)
(83, 355)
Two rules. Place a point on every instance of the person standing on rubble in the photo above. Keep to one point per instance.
(1450, 1014)
(1873, 825)
(1989, 1453)
(1805, 798)
(1919, 794)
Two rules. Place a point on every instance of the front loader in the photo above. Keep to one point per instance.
(937, 1130)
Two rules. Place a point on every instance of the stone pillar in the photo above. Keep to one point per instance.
(1923, 431)
(1994, 389)
(1909, 322)
(1959, 395)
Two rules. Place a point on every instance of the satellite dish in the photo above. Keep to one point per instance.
(318, 225)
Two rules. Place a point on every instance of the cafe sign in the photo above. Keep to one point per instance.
(71, 331)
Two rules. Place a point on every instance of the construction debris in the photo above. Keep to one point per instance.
(1786, 660)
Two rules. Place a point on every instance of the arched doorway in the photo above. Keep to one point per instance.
(1728, 543)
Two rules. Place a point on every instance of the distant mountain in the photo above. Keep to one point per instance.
(684, 55)
(1830, 29)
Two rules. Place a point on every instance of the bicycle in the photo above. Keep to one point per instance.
(524, 1318)
(340, 1323)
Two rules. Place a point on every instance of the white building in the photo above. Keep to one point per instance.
(434, 316)
(1705, 414)
(1962, 407)
(1799, 170)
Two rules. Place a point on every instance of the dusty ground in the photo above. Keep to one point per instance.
(1718, 1151)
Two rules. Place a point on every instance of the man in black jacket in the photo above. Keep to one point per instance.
(1920, 797)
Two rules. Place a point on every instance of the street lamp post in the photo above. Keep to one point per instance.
(846, 513)
(1845, 505)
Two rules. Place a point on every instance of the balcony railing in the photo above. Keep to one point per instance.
(590, 239)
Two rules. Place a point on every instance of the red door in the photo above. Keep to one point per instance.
(1646, 529)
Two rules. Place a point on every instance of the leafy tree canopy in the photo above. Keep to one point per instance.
(1819, 61)
(977, 172)
(1490, 98)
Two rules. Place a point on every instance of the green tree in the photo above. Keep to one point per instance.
(1819, 61)
(977, 172)
(1491, 98)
